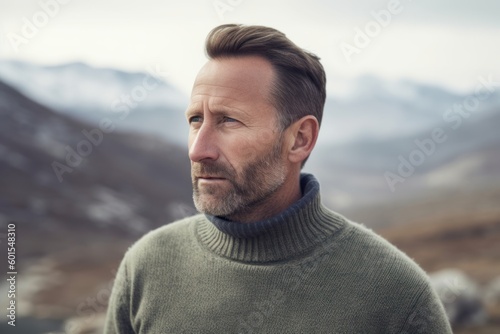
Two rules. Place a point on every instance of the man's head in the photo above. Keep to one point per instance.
(299, 86)
(254, 118)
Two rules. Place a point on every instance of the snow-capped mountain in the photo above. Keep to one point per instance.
(59, 173)
(374, 109)
(363, 108)
(143, 102)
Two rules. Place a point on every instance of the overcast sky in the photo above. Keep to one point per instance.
(447, 42)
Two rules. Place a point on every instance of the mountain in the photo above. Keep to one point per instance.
(368, 171)
(81, 190)
(365, 129)
(140, 102)
(61, 176)
(363, 108)
(79, 195)
(375, 109)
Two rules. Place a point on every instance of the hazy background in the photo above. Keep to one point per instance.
(93, 149)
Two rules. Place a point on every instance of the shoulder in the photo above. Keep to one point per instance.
(375, 265)
(380, 255)
(164, 239)
(397, 285)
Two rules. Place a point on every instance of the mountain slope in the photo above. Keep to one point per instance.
(368, 171)
(57, 182)
(370, 108)
(141, 101)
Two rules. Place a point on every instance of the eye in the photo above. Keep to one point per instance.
(194, 119)
(229, 119)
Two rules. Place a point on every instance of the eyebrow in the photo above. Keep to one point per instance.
(216, 109)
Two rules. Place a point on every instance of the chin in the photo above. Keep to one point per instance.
(214, 207)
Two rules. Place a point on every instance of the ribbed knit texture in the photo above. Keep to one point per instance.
(306, 270)
(280, 237)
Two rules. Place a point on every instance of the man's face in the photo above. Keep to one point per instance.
(234, 138)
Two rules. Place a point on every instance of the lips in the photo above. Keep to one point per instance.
(206, 177)
(209, 181)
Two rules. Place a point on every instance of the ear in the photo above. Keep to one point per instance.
(303, 133)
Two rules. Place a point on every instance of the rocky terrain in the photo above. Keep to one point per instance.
(79, 196)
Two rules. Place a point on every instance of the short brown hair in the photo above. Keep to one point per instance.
(300, 86)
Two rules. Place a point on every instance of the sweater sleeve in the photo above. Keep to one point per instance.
(427, 316)
(118, 314)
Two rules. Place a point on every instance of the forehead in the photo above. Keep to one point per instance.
(241, 79)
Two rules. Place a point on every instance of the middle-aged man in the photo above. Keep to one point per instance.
(265, 256)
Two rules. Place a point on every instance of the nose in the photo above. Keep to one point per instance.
(203, 144)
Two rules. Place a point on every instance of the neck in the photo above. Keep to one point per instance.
(289, 233)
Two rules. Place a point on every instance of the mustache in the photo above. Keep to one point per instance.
(213, 169)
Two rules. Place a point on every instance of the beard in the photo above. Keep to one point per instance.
(241, 192)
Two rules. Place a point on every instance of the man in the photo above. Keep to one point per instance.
(265, 256)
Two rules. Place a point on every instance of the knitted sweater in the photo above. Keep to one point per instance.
(306, 270)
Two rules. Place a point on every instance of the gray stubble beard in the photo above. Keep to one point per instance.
(260, 180)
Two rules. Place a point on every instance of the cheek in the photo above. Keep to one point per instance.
(191, 138)
(243, 149)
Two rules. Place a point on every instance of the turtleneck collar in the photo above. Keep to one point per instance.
(303, 225)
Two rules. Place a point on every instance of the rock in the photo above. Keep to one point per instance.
(460, 296)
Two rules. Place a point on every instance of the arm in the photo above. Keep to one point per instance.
(118, 315)
(427, 316)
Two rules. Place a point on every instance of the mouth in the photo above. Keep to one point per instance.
(209, 178)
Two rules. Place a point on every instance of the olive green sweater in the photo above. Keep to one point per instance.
(306, 270)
